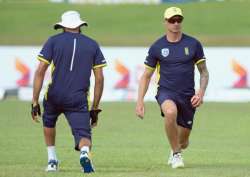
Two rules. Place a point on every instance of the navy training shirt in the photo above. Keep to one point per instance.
(72, 56)
(175, 63)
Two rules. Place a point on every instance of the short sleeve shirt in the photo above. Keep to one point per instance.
(175, 63)
(72, 56)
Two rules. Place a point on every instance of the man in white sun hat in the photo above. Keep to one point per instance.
(175, 55)
(72, 56)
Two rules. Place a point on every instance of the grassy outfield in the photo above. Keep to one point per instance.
(214, 23)
(128, 147)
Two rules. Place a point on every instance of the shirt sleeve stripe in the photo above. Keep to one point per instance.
(149, 67)
(98, 66)
(43, 59)
(199, 61)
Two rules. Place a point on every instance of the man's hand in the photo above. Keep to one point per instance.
(35, 112)
(140, 109)
(94, 117)
(197, 99)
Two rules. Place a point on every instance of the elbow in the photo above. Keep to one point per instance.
(146, 77)
(39, 72)
(207, 75)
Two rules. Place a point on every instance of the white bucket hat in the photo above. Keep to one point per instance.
(70, 19)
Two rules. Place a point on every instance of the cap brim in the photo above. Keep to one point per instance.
(174, 15)
(60, 25)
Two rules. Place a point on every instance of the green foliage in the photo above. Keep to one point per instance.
(124, 146)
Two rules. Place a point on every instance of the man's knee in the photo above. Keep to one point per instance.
(170, 116)
(171, 113)
(170, 110)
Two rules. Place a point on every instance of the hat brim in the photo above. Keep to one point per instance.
(168, 17)
(61, 25)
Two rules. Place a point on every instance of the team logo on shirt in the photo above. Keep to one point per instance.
(186, 51)
(165, 52)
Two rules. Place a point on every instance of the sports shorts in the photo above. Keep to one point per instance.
(77, 115)
(185, 110)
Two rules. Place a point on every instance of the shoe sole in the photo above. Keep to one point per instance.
(86, 165)
(180, 166)
(51, 171)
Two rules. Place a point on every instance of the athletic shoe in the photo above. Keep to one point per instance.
(86, 163)
(52, 166)
(177, 161)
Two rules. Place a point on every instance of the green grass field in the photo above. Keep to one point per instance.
(214, 23)
(128, 147)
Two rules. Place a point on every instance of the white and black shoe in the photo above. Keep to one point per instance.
(86, 163)
(52, 166)
(177, 160)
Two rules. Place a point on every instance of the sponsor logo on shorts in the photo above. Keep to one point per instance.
(189, 122)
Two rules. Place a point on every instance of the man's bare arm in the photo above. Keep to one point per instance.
(204, 77)
(197, 99)
(38, 81)
(143, 87)
(98, 89)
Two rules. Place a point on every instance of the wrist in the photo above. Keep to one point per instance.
(139, 102)
(140, 99)
(201, 93)
(94, 107)
(34, 102)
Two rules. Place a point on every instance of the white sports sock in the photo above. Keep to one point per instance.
(84, 149)
(51, 153)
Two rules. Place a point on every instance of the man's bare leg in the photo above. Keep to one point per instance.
(49, 136)
(183, 136)
(85, 161)
(169, 109)
(170, 115)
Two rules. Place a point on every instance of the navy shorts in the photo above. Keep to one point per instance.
(185, 110)
(78, 118)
